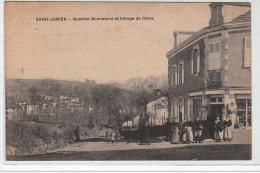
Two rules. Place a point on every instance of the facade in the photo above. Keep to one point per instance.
(32, 109)
(11, 113)
(210, 72)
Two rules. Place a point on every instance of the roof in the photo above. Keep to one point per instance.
(239, 20)
(242, 4)
(243, 17)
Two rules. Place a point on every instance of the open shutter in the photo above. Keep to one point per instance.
(198, 60)
(192, 62)
(247, 52)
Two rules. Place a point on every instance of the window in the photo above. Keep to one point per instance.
(216, 100)
(216, 15)
(214, 56)
(195, 62)
(181, 73)
(174, 75)
(174, 108)
(197, 109)
(181, 110)
(211, 48)
(244, 111)
(247, 52)
(217, 47)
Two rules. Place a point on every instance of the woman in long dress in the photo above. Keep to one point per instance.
(218, 130)
(190, 133)
(227, 129)
(185, 134)
(175, 136)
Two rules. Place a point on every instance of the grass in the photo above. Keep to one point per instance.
(211, 152)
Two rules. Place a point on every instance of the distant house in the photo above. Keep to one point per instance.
(75, 100)
(11, 113)
(22, 104)
(158, 110)
(32, 109)
(91, 108)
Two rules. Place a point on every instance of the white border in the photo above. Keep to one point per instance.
(252, 165)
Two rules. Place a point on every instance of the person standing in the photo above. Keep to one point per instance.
(205, 131)
(168, 129)
(185, 135)
(146, 133)
(107, 136)
(175, 136)
(211, 123)
(218, 130)
(198, 127)
(113, 137)
(127, 135)
(190, 126)
(76, 132)
(227, 129)
(117, 136)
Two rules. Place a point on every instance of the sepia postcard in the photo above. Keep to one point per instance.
(128, 81)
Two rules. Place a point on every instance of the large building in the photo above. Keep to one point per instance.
(209, 73)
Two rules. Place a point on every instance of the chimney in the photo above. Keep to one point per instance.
(181, 36)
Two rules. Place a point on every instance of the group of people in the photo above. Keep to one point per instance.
(199, 130)
(113, 136)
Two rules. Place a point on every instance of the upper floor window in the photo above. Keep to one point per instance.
(247, 52)
(174, 75)
(217, 14)
(195, 60)
(181, 73)
(214, 56)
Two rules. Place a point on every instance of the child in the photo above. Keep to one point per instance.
(107, 136)
(113, 137)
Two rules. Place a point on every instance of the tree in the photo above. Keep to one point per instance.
(34, 95)
(110, 100)
(145, 90)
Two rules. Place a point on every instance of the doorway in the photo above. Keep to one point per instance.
(216, 110)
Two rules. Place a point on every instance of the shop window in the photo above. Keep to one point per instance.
(247, 53)
(181, 73)
(244, 112)
(214, 57)
(181, 110)
(197, 108)
(195, 63)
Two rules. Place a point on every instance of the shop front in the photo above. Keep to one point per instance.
(244, 118)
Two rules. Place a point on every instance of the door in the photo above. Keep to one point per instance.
(216, 110)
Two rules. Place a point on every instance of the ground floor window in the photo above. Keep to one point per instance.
(181, 110)
(197, 108)
(243, 112)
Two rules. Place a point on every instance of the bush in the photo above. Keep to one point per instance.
(30, 137)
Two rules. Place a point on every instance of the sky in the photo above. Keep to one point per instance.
(103, 51)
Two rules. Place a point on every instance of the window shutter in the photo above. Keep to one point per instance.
(192, 62)
(247, 52)
(172, 77)
(182, 73)
(198, 60)
(177, 74)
